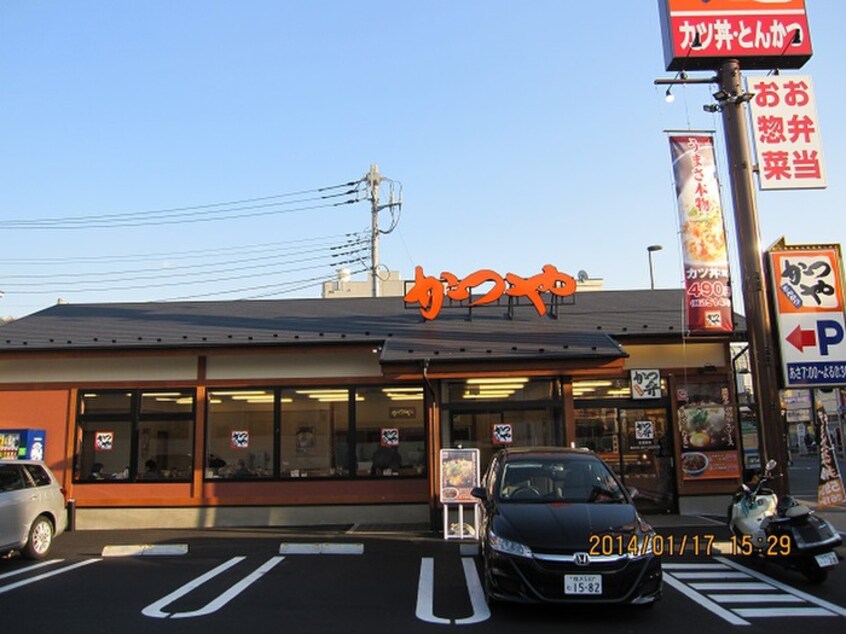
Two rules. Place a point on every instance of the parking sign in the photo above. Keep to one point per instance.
(808, 292)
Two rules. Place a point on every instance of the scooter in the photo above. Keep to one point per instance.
(782, 531)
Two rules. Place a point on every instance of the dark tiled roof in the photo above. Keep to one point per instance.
(585, 328)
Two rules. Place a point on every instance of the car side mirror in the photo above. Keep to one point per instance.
(480, 493)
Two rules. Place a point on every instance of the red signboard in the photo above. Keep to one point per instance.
(706, 271)
(762, 34)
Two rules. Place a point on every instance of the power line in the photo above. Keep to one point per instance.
(182, 254)
(226, 214)
(176, 211)
(334, 250)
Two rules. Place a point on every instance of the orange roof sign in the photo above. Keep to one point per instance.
(430, 292)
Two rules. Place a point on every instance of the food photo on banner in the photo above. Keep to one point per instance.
(703, 236)
(708, 432)
(459, 475)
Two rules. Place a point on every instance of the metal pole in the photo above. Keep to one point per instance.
(650, 250)
(759, 327)
(374, 179)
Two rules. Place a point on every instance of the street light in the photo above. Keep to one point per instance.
(650, 250)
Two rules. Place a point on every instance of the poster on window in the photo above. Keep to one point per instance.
(240, 440)
(459, 475)
(306, 441)
(104, 440)
(703, 236)
(502, 434)
(389, 437)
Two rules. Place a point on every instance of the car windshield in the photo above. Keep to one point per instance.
(559, 480)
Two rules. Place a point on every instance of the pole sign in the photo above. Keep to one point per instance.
(706, 267)
(808, 291)
(788, 144)
(761, 34)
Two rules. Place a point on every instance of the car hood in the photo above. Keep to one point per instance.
(558, 527)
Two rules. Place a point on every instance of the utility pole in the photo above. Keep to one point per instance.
(374, 179)
(758, 323)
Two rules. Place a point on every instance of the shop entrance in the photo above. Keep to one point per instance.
(637, 443)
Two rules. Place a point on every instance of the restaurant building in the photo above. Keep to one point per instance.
(311, 411)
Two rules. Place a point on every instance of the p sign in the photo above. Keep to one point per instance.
(814, 350)
(808, 292)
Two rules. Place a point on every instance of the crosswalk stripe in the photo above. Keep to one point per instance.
(732, 585)
(752, 613)
(769, 597)
(710, 575)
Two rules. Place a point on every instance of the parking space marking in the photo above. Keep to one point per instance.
(741, 592)
(26, 569)
(52, 573)
(154, 610)
(294, 548)
(426, 591)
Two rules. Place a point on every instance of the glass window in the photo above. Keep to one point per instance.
(607, 389)
(240, 434)
(315, 432)
(11, 478)
(390, 432)
(134, 435)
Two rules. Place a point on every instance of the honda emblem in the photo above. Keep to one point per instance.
(581, 559)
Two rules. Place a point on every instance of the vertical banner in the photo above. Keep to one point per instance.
(830, 491)
(706, 271)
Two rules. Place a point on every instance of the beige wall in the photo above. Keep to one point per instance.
(109, 369)
(288, 366)
(695, 355)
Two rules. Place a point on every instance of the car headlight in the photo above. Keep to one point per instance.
(644, 545)
(508, 547)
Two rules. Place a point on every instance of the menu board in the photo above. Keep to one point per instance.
(459, 475)
(709, 446)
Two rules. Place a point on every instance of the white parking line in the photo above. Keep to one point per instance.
(154, 610)
(743, 592)
(25, 569)
(810, 598)
(426, 592)
(64, 569)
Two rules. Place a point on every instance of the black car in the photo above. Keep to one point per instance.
(558, 527)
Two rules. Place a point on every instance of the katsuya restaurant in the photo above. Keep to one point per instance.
(334, 411)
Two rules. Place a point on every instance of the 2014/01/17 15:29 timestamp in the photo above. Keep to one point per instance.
(677, 546)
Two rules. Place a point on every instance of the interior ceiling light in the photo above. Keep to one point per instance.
(238, 392)
(495, 381)
(582, 384)
(487, 395)
(412, 390)
(326, 391)
(248, 397)
(329, 398)
(623, 391)
(405, 397)
(161, 394)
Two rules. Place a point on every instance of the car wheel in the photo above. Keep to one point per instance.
(40, 538)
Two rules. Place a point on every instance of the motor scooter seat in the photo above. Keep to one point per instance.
(797, 510)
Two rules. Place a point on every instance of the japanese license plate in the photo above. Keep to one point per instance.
(826, 559)
(582, 584)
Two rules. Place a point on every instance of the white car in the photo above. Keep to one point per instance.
(32, 508)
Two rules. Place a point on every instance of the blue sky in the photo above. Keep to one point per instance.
(521, 133)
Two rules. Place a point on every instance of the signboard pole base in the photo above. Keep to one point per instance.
(461, 530)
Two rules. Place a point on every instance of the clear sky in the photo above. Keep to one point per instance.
(522, 133)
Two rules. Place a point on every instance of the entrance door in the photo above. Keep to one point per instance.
(636, 444)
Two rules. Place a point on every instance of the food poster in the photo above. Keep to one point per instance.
(708, 442)
(459, 475)
(706, 269)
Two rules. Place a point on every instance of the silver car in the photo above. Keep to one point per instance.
(32, 508)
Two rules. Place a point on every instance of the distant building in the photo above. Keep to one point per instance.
(345, 287)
